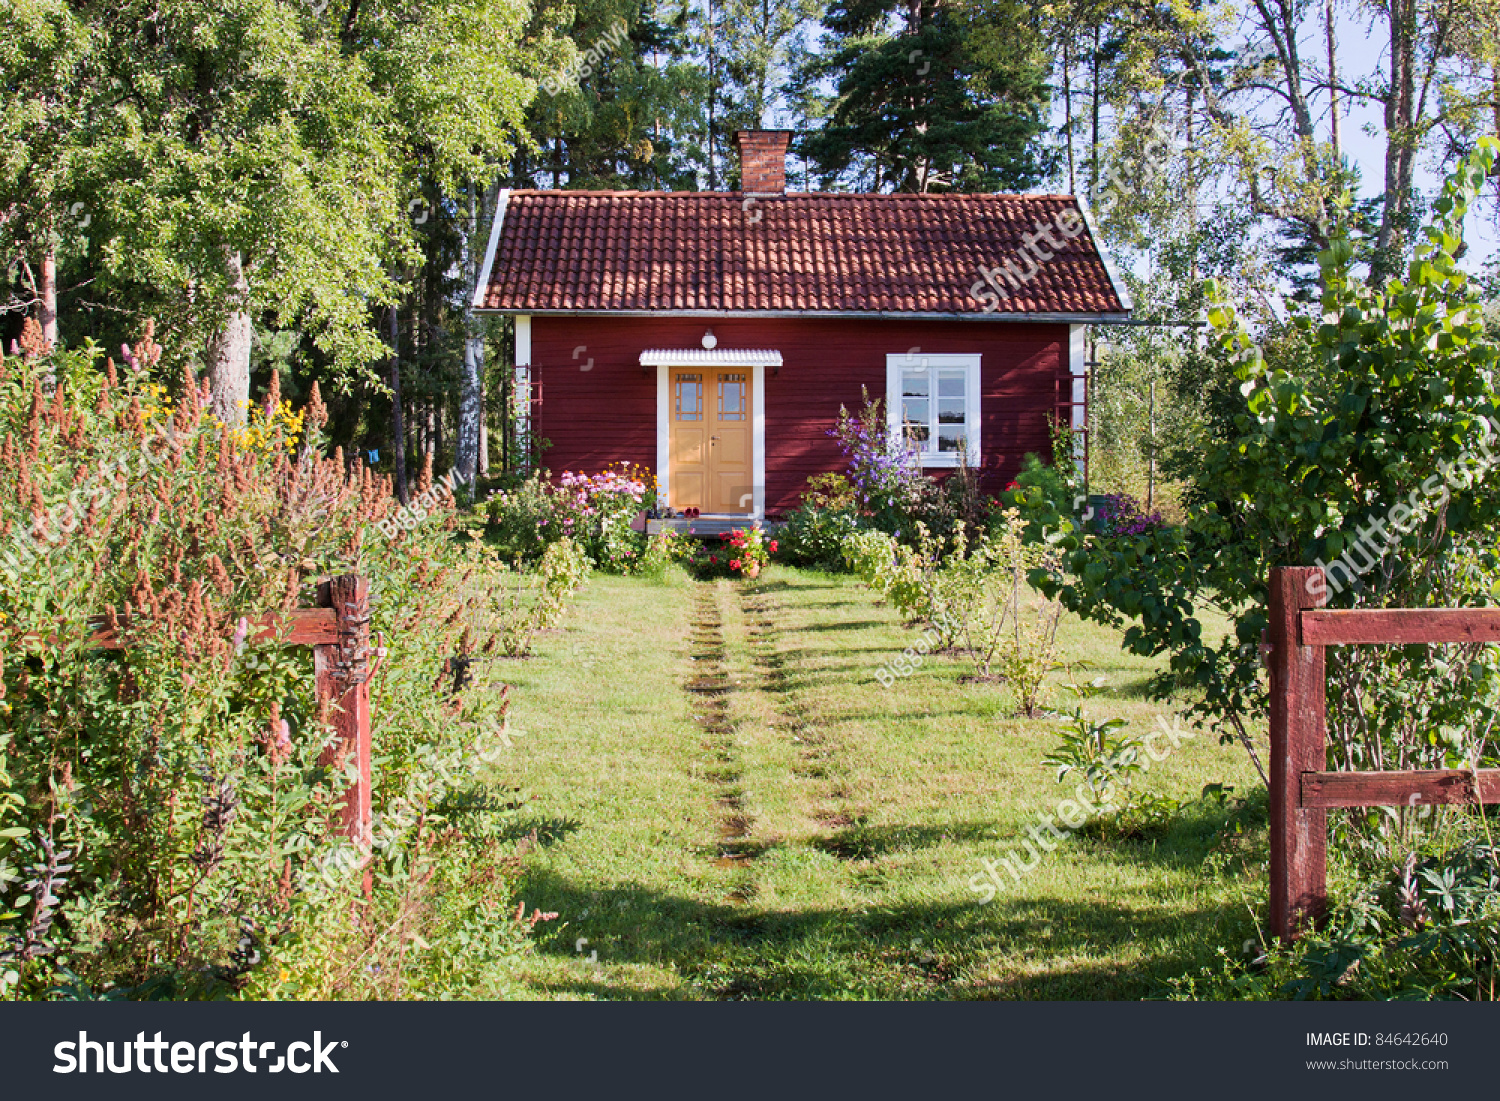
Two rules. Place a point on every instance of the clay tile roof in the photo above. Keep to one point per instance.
(647, 251)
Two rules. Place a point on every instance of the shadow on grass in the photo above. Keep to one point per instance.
(858, 842)
(1011, 948)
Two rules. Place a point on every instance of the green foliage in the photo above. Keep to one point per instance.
(1008, 631)
(536, 598)
(1373, 409)
(1109, 761)
(1422, 927)
(814, 537)
(179, 824)
(973, 599)
(931, 98)
(293, 136)
(594, 511)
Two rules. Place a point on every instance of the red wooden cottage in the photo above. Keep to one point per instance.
(712, 337)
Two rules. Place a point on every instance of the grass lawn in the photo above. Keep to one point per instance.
(730, 805)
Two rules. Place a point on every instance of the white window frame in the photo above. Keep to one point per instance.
(899, 362)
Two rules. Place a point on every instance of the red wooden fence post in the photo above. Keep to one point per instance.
(343, 675)
(1299, 835)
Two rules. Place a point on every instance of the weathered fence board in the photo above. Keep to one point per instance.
(303, 627)
(1424, 788)
(1301, 788)
(1299, 835)
(1400, 626)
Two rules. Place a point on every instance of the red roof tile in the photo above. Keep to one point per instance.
(592, 251)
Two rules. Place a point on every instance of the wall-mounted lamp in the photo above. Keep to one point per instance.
(710, 341)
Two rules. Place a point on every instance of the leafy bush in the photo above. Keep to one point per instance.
(1357, 438)
(172, 802)
(1108, 761)
(594, 511)
(1423, 926)
(535, 597)
(814, 537)
(971, 599)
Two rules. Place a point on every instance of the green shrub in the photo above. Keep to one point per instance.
(595, 511)
(814, 537)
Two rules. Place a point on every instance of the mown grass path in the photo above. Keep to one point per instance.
(731, 806)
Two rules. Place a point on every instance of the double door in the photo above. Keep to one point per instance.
(711, 440)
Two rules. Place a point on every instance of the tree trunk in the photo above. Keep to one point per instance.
(1333, 79)
(469, 457)
(398, 420)
(1400, 140)
(48, 295)
(229, 348)
(1067, 66)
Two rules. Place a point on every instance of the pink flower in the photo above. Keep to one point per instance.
(734, 564)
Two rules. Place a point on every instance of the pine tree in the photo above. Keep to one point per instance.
(931, 95)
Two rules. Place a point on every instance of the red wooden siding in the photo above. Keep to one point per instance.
(602, 412)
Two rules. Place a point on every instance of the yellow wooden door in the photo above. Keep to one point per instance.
(711, 441)
(729, 444)
(689, 477)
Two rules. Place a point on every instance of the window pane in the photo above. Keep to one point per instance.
(951, 384)
(915, 386)
(732, 397)
(950, 411)
(949, 436)
(689, 397)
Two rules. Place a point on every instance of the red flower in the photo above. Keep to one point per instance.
(734, 564)
(1013, 485)
(713, 559)
(773, 546)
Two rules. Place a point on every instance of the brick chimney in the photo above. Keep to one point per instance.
(762, 161)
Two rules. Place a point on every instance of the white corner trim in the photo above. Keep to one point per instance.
(758, 437)
(523, 340)
(663, 436)
(973, 400)
(1121, 291)
(501, 202)
(1077, 368)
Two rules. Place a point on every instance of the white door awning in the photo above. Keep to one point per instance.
(704, 357)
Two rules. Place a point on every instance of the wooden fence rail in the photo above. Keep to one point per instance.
(1302, 788)
(338, 630)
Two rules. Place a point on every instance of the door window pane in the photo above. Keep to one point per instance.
(732, 397)
(689, 397)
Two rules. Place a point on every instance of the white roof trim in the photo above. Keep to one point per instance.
(703, 357)
(1121, 291)
(480, 288)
